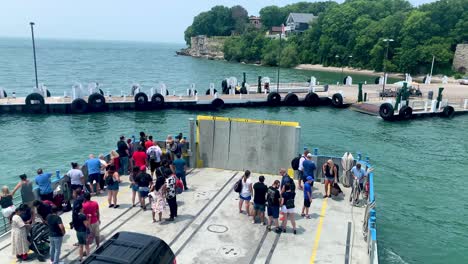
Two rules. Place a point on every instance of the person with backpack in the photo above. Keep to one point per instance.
(308, 169)
(171, 195)
(144, 182)
(246, 192)
(260, 190)
(154, 156)
(134, 184)
(287, 207)
(179, 166)
(112, 180)
(286, 179)
(273, 209)
(300, 169)
(124, 153)
(56, 233)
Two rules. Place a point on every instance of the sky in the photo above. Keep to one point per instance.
(134, 20)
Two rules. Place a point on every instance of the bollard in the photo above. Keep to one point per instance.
(425, 106)
(259, 84)
(365, 97)
(465, 105)
(433, 106)
(14, 96)
(315, 151)
(359, 98)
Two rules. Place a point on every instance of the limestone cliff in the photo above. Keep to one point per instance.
(205, 47)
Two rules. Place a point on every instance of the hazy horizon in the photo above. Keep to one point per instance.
(118, 20)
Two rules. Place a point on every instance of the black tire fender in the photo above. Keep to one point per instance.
(141, 99)
(96, 102)
(405, 112)
(217, 104)
(157, 100)
(291, 99)
(79, 106)
(448, 111)
(312, 99)
(35, 103)
(274, 98)
(337, 100)
(386, 111)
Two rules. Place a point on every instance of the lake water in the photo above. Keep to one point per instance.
(420, 165)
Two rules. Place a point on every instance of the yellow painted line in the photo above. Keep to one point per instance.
(319, 231)
(243, 120)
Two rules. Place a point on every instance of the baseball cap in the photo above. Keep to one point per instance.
(309, 155)
(143, 168)
(309, 178)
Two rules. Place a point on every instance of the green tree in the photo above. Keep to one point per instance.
(270, 52)
(289, 56)
(272, 16)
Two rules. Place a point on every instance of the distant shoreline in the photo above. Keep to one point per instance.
(319, 67)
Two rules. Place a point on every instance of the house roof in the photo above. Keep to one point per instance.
(301, 17)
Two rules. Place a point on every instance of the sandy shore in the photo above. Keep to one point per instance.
(319, 67)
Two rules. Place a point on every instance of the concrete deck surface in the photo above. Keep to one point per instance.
(209, 228)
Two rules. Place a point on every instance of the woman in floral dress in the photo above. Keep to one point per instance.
(157, 197)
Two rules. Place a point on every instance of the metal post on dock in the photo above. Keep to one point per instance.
(34, 52)
(259, 87)
(192, 143)
(279, 60)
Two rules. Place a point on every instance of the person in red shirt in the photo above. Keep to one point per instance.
(149, 143)
(139, 157)
(91, 210)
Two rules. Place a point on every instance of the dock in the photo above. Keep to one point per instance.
(209, 228)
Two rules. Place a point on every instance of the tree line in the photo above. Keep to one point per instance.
(347, 34)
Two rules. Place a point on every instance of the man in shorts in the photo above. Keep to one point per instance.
(260, 191)
(359, 173)
(273, 197)
(91, 210)
(144, 182)
(94, 172)
(307, 197)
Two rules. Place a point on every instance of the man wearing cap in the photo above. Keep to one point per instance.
(300, 170)
(308, 168)
(122, 150)
(307, 196)
(144, 182)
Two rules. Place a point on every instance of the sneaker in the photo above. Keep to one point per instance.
(268, 227)
(308, 217)
(278, 230)
(294, 231)
(111, 205)
(325, 196)
(284, 230)
(303, 215)
(253, 221)
(116, 206)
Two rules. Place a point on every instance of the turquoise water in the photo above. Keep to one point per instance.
(420, 165)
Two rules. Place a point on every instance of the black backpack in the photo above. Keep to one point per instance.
(238, 186)
(295, 162)
(270, 196)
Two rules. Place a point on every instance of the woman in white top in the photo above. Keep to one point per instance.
(246, 193)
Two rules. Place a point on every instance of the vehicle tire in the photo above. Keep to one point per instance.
(386, 111)
(274, 98)
(217, 104)
(208, 91)
(35, 103)
(96, 102)
(79, 106)
(157, 100)
(405, 112)
(141, 101)
(337, 100)
(448, 112)
(312, 99)
(291, 99)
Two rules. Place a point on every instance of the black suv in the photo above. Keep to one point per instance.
(132, 248)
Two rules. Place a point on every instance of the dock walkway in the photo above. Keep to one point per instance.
(209, 228)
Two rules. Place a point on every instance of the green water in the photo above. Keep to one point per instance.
(420, 165)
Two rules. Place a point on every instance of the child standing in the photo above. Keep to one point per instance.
(307, 196)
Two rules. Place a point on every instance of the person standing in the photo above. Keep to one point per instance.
(19, 236)
(114, 159)
(139, 157)
(154, 156)
(331, 175)
(112, 179)
(179, 166)
(308, 168)
(79, 224)
(91, 210)
(43, 209)
(307, 197)
(260, 190)
(246, 192)
(27, 194)
(144, 182)
(286, 179)
(360, 174)
(142, 139)
(123, 151)
(158, 204)
(300, 170)
(56, 233)
(149, 143)
(45, 188)
(76, 178)
(274, 200)
(130, 154)
(102, 172)
(171, 196)
(6, 201)
(287, 207)
(94, 173)
(134, 185)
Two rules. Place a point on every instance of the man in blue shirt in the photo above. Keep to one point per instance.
(179, 167)
(360, 174)
(308, 168)
(94, 172)
(45, 188)
(307, 196)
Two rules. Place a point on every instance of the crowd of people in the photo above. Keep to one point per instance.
(156, 177)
